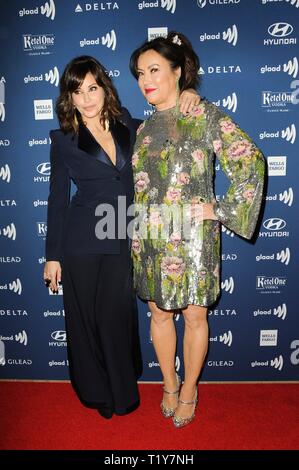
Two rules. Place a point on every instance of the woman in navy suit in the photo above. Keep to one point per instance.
(93, 148)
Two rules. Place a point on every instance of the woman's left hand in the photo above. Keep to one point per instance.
(188, 100)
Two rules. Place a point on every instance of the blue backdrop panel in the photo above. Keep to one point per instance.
(249, 66)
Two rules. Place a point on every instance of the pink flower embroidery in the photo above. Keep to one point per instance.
(135, 159)
(183, 178)
(227, 126)
(248, 194)
(173, 194)
(197, 111)
(141, 181)
(175, 239)
(238, 149)
(140, 128)
(147, 140)
(217, 146)
(173, 266)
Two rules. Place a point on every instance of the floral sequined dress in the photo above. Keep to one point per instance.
(176, 255)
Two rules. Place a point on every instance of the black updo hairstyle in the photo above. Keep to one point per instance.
(178, 50)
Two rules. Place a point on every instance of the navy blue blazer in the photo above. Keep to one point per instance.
(79, 157)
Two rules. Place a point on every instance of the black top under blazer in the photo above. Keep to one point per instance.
(79, 157)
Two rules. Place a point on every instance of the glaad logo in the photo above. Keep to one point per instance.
(53, 76)
(9, 231)
(230, 102)
(280, 32)
(294, 3)
(287, 197)
(277, 363)
(226, 338)
(109, 40)
(280, 312)
(5, 173)
(2, 112)
(230, 35)
(169, 5)
(14, 286)
(22, 338)
(227, 231)
(48, 9)
(2, 353)
(283, 256)
(289, 134)
(228, 285)
(290, 67)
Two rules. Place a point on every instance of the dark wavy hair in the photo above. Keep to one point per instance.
(178, 50)
(71, 79)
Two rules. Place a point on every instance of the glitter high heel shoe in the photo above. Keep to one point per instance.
(178, 421)
(169, 412)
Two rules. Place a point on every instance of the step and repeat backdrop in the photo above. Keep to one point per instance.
(249, 67)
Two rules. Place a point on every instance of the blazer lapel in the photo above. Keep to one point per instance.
(121, 136)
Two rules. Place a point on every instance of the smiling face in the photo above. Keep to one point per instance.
(89, 98)
(157, 80)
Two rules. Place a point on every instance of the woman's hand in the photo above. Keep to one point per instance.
(188, 100)
(52, 274)
(208, 211)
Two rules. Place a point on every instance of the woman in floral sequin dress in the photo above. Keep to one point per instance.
(176, 242)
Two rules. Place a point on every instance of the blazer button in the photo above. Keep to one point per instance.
(117, 178)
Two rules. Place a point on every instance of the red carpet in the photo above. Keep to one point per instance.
(229, 416)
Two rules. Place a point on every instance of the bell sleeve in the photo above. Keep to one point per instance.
(244, 165)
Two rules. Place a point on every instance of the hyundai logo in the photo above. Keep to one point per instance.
(280, 30)
(44, 168)
(59, 335)
(274, 224)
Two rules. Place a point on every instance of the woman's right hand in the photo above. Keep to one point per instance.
(52, 274)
